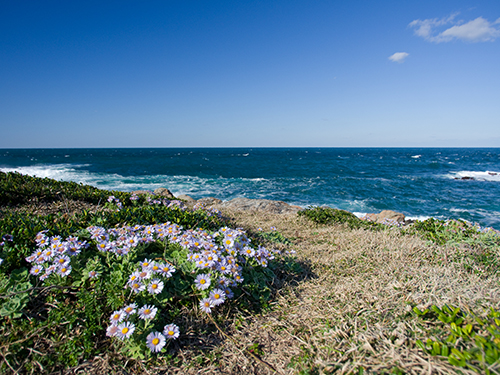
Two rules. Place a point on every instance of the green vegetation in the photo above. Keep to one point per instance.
(327, 215)
(109, 282)
(463, 338)
(123, 279)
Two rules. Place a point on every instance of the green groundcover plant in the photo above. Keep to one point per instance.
(118, 279)
(464, 339)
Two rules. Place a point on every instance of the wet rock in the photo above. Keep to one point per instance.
(246, 204)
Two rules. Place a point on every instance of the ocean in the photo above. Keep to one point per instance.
(448, 183)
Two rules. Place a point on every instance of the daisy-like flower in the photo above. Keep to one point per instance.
(155, 287)
(112, 330)
(218, 296)
(130, 309)
(125, 330)
(144, 274)
(147, 312)
(238, 278)
(155, 341)
(146, 264)
(72, 250)
(248, 251)
(229, 293)
(64, 270)
(62, 260)
(31, 258)
(223, 267)
(117, 317)
(171, 331)
(155, 267)
(228, 242)
(202, 281)
(206, 304)
(137, 286)
(36, 269)
(133, 278)
(167, 269)
(48, 254)
(93, 274)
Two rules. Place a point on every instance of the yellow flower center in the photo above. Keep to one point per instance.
(125, 330)
(202, 281)
(154, 286)
(216, 296)
(155, 341)
(170, 333)
(147, 311)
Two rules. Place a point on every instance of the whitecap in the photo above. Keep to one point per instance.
(474, 175)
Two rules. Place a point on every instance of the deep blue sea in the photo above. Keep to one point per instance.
(420, 182)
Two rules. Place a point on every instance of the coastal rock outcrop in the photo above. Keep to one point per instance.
(186, 198)
(387, 215)
(246, 204)
(164, 192)
(209, 201)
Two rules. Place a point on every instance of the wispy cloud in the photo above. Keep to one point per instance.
(477, 30)
(399, 57)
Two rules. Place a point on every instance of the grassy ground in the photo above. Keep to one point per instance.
(352, 299)
(353, 311)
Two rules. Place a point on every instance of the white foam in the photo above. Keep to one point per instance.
(479, 176)
(418, 217)
(65, 172)
(416, 156)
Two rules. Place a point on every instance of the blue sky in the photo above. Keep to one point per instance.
(249, 73)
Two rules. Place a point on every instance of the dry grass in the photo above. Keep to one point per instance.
(349, 309)
(353, 310)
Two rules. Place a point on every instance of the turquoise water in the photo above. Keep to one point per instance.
(418, 182)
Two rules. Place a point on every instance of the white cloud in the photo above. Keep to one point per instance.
(399, 57)
(478, 30)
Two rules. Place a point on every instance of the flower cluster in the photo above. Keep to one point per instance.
(177, 204)
(221, 254)
(146, 278)
(120, 241)
(209, 210)
(53, 255)
(218, 260)
(122, 326)
(112, 199)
